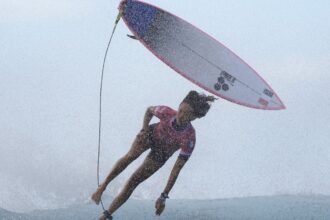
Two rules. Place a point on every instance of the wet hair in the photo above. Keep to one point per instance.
(200, 103)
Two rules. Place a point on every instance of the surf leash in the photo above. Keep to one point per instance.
(100, 102)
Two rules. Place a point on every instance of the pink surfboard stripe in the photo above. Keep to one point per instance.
(185, 75)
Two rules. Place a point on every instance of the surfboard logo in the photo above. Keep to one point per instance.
(223, 81)
(263, 102)
(269, 93)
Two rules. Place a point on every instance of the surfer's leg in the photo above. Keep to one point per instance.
(147, 168)
(140, 144)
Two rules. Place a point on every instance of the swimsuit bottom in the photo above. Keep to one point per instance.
(157, 153)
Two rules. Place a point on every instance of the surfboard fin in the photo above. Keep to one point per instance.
(131, 36)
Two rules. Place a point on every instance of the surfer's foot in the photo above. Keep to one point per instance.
(96, 197)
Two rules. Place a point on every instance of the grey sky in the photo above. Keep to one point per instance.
(50, 61)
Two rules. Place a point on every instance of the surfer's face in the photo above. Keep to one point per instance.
(185, 113)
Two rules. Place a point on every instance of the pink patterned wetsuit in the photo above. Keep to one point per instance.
(168, 137)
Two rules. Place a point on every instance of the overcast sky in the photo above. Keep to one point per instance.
(50, 61)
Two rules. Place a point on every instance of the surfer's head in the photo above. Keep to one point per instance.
(194, 105)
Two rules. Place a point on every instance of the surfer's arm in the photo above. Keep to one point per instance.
(160, 203)
(174, 174)
(147, 117)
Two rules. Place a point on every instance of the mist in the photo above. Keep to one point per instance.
(50, 77)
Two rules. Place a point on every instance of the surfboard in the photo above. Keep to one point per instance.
(197, 56)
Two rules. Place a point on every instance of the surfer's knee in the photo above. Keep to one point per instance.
(135, 179)
(130, 156)
(130, 186)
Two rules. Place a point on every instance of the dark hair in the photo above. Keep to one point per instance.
(199, 103)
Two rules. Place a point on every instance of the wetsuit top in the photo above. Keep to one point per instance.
(169, 136)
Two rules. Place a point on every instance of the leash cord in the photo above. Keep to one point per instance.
(100, 102)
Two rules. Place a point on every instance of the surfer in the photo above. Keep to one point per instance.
(173, 132)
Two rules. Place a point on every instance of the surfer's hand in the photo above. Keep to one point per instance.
(160, 206)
